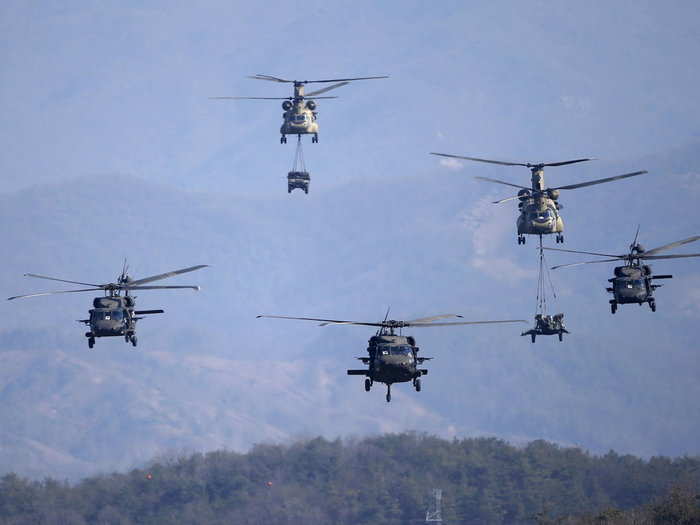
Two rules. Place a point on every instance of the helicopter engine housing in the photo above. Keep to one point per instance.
(553, 194)
(286, 105)
(106, 302)
(524, 195)
(310, 104)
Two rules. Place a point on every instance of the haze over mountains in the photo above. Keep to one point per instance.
(208, 375)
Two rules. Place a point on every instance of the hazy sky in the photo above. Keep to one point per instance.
(113, 97)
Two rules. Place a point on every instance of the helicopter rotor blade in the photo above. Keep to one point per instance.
(54, 293)
(270, 78)
(423, 325)
(679, 256)
(600, 181)
(636, 236)
(157, 287)
(432, 318)
(503, 182)
(60, 280)
(586, 253)
(671, 245)
(505, 200)
(165, 275)
(325, 89)
(565, 162)
(341, 79)
(501, 162)
(324, 321)
(586, 262)
(251, 98)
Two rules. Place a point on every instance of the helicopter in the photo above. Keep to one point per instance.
(539, 206)
(300, 115)
(633, 282)
(547, 325)
(392, 358)
(115, 314)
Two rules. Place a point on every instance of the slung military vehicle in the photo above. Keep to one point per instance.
(634, 281)
(300, 115)
(393, 358)
(548, 325)
(539, 206)
(115, 314)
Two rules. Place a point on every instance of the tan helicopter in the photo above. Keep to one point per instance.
(300, 115)
(539, 206)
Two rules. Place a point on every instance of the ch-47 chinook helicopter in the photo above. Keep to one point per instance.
(633, 282)
(393, 358)
(300, 115)
(115, 314)
(539, 206)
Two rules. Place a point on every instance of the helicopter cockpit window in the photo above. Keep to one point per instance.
(97, 316)
(401, 350)
(117, 315)
(300, 118)
(383, 350)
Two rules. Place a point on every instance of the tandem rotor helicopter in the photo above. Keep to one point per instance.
(393, 358)
(633, 282)
(539, 206)
(300, 115)
(115, 314)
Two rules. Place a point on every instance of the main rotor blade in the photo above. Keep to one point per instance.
(503, 182)
(342, 79)
(600, 181)
(433, 318)
(423, 325)
(586, 253)
(636, 235)
(54, 293)
(160, 276)
(679, 256)
(671, 245)
(585, 262)
(501, 162)
(60, 280)
(325, 321)
(270, 78)
(251, 98)
(174, 287)
(505, 200)
(325, 89)
(565, 162)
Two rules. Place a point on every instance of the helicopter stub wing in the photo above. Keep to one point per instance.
(148, 312)
(600, 181)
(672, 245)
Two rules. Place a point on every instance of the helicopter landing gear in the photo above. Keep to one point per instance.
(533, 337)
(417, 384)
(561, 336)
(613, 306)
(91, 342)
(283, 139)
(560, 238)
(388, 393)
(314, 138)
(368, 385)
(652, 305)
(133, 340)
(521, 239)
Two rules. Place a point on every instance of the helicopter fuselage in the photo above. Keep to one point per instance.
(299, 120)
(114, 316)
(539, 217)
(392, 359)
(632, 283)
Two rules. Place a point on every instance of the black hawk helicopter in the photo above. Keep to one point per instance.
(115, 314)
(393, 358)
(539, 206)
(633, 282)
(300, 115)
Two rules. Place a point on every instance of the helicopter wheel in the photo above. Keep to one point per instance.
(533, 337)
(314, 139)
(133, 340)
(561, 336)
(652, 305)
(613, 307)
(388, 393)
(368, 385)
(417, 384)
(283, 139)
(91, 342)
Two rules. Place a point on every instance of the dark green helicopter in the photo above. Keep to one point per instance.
(115, 314)
(393, 358)
(633, 282)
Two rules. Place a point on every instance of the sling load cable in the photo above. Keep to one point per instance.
(298, 177)
(543, 282)
(299, 164)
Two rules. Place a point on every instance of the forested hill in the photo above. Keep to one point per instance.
(377, 480)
